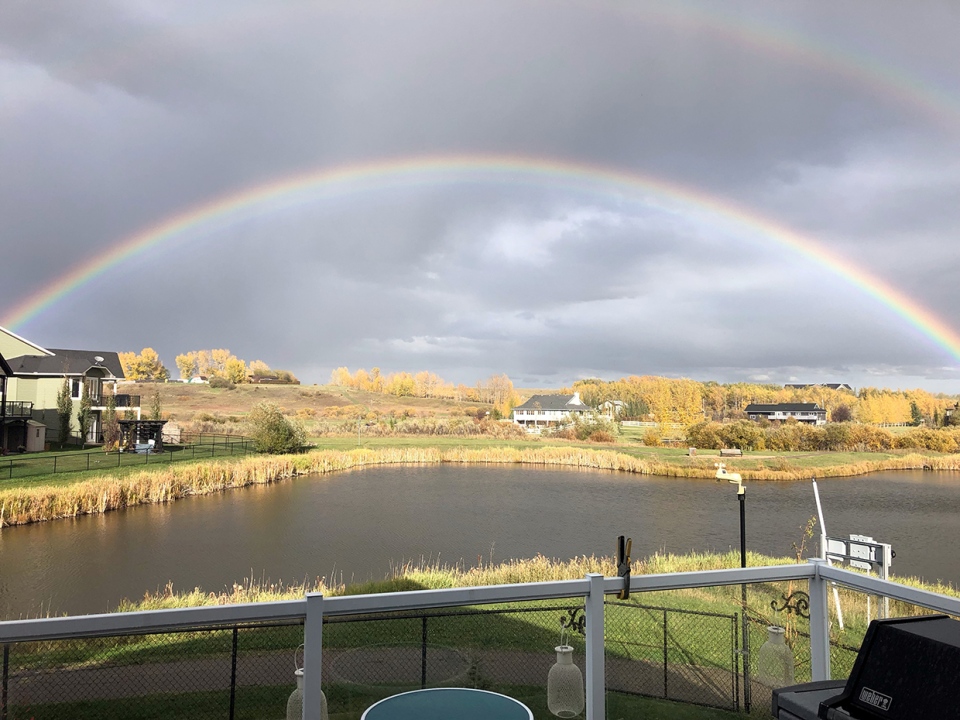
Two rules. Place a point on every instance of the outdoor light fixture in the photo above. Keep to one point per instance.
(295, 701)
(735, 479)
(565, 685)
(775, 659)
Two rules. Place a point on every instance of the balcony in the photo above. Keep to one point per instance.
(121, 402)
(127, 401)
(17, 408)
(679, 638)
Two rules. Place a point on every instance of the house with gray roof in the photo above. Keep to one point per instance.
(809, 413)
(544, 410)
(37, 375)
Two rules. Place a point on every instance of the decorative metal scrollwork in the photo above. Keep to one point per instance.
(798, 602)
(572, 622)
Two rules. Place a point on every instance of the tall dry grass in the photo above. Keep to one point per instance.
(20, 506)
(432, 575)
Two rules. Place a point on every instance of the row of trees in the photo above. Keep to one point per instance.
(218, 363)
(660, 399)
(497, 390)
(685, 401)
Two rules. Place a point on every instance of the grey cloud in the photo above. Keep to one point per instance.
(132, 112)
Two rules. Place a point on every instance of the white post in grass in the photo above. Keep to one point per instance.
(596, 700)
(312, 656)
(819, 625)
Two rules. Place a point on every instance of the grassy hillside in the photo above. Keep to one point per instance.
(208, 407)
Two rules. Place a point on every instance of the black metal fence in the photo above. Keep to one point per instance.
(192, 446)
(673, 654)
(247, 671)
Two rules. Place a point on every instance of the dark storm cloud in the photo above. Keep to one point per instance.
(123, 114)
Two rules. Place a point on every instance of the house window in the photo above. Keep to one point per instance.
(76, 386)
(93, 388)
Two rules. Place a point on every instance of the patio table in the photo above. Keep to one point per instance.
(446, 704)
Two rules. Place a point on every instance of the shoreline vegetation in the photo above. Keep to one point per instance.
(25, 505)
(424, 575)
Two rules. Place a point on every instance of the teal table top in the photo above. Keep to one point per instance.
(448, 704)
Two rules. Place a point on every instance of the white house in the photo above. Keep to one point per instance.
(809, 413)
(543, 410)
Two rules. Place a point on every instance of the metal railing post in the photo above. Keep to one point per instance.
(819, 625)
(233, 672)
(312, 656)
(423, 654)
(595, 697)
(666, 662)
(6, 676)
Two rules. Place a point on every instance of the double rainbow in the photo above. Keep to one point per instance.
(330, 182)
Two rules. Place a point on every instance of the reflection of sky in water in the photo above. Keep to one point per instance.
(359, 524)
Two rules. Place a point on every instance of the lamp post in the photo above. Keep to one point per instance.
(741, 496)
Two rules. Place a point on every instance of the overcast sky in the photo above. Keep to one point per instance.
(839, 121)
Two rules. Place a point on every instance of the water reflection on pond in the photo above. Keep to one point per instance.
(357, 525)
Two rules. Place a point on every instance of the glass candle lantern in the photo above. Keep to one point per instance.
(775, 660)
(295, 701)
(565, 685)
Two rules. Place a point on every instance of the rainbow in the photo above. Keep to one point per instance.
(337, 181)
(892, 83)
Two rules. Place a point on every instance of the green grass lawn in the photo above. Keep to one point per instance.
(75, 466)
(36, 469)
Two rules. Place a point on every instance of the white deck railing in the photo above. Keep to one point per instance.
(593, 588)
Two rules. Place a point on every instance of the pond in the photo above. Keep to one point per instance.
(358, 525)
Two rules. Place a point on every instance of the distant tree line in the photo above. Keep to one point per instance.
(218, 364)
(497, 390)
(685, 401)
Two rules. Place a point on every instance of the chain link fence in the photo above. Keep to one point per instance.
(233, 672)
(193, 446)
(673, 654)
(674, 646)
(247, 671)
(857, 609)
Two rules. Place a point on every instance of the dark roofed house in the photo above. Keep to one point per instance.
(38, 375)
(543, 410)
(810, 413)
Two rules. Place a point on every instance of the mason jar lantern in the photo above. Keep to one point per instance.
(295, 701)
(775, 660)
(565, 685)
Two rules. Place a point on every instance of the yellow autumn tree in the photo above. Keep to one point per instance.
(187, 365)
(258, 368)
(143, 366)
(400, 384)
(340, 377)
(235, 370)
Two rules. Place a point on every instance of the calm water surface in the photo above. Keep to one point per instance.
(357, 525)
